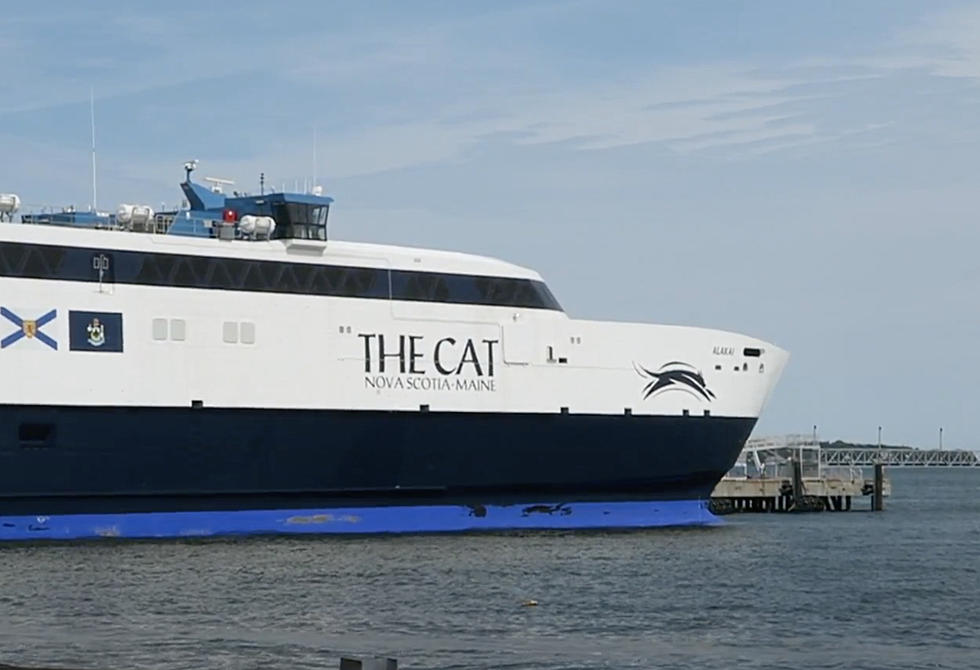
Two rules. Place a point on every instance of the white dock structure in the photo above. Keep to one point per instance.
(792, 473)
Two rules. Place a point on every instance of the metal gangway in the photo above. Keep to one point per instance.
(901, 458)
(809, 450)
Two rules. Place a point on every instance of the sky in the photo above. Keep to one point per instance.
(803, 172)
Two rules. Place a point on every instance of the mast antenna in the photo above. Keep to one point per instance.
(317, 189)
(95, 190)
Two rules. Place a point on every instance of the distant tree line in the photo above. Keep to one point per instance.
(840, 444)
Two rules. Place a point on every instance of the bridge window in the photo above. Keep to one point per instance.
(299, 221)
(319, 215)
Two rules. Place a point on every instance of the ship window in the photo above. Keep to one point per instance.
(468, 289)
(302, 214)
(183, 271)
(299, 231)
(229, 332)
(319, 215)
(189, 271)
(248, 332)
(430, 287)
(300, 221)
(751, 352)
(159, 329)
(178, 330)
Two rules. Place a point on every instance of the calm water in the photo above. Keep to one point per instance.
(899, 589)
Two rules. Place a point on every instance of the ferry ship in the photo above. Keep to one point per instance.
(227, 368)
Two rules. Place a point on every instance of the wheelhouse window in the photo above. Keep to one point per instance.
(301, 222)
(319, 215)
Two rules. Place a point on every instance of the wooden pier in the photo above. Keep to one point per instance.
(815, 494)
(790, 474)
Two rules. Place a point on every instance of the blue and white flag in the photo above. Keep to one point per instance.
(29, 328)
(95, 331)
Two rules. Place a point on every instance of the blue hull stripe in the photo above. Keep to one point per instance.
(359, 520)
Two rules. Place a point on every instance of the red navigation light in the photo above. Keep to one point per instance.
(230, 216)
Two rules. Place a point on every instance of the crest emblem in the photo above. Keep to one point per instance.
(96, 333)
(29, 328)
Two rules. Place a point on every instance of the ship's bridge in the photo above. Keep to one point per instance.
(208, 212)
(300, 216)
(297, 215)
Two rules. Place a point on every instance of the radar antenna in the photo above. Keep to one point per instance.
(189, 167)
(217, 184)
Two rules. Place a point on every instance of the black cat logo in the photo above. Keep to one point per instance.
(674, 376)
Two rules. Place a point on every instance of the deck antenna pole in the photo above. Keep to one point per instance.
(95, 190)
(314, 160)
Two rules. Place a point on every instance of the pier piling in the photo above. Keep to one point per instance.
(878, 495)
(798, 491)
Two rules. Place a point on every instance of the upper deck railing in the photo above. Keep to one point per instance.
(159, 224)
(204, 213)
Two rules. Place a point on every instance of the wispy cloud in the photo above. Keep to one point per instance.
(946, 42)
(462, 96)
